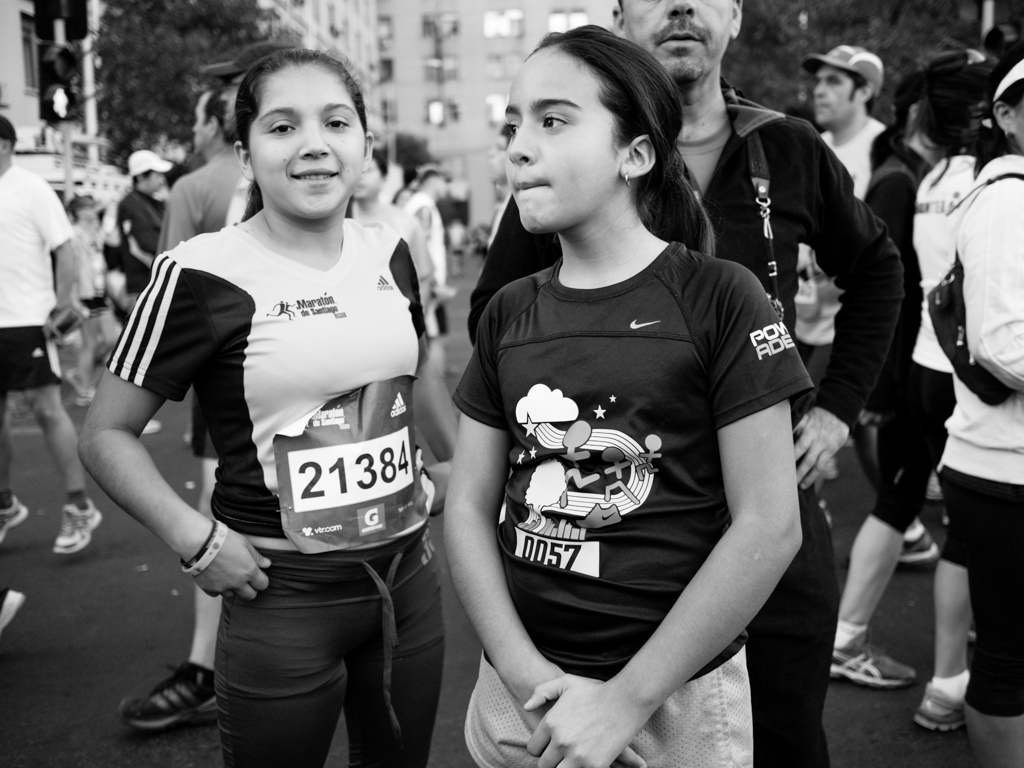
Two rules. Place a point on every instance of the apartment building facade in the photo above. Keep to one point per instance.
(446, 67)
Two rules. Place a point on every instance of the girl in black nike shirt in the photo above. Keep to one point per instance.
(639, 393)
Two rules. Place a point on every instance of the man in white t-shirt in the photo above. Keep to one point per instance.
(32, 224)
(847, 81)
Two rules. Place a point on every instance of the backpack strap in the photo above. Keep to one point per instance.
(760, 177)
(973, 194)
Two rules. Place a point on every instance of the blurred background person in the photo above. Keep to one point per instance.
(198, 204)
(431, 186)
(99, 332)
(983, 461)
(139, 218)
(502, 189)
(936, 122)
(33, 286)
(847, 82)
(367, 207)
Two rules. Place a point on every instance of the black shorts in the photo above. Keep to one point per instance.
(989, 517)
(28, 360)
(96, 306)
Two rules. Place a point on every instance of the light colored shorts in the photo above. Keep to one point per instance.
(705, 724)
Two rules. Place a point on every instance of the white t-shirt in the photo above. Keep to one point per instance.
(435, 233)
(818, 326)
(856, 154)
(32, 223)
(934, 229)
(266, 341)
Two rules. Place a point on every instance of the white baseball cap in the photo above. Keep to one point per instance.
(145, 161)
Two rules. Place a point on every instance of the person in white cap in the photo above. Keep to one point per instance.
(139, 218)
(848, 79)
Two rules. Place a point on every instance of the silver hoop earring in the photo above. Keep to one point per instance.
(627, 178)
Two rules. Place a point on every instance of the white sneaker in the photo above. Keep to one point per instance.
(152, 427)
(76, 527)
(10, 602)
(12, 516)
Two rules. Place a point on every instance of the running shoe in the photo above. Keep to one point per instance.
(865, 665)
(923, 551)
(937, 712)
(10, 602)
(76, 527)
(152, 427)
(12, 516)
(185, 697)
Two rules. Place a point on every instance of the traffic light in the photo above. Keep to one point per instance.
(74, 12)
(58, 68)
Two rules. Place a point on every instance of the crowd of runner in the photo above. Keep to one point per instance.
(690, 302)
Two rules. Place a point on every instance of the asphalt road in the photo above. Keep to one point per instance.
(109, 621)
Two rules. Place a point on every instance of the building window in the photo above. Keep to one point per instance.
(385, 33)
(387, 70)
(563, 21)
(441, 70)
(496, 103)
(389, 110)
(440, 111)
(442, 24)
(453, 109)
(507, 23)
(502, 66)
(29, 53)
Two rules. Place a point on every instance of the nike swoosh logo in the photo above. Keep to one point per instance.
(635, 325)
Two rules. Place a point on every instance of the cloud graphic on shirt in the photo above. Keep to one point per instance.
(547, 484)
(543, 404)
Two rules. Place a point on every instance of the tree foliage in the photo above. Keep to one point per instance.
(764, 62)
(151, 52)
(411, 152)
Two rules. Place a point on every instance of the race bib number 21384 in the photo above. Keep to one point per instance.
(340, 475)
(347, 473)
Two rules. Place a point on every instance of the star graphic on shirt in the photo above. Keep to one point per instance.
(611, 399)
(533, 453)
(522, 455)
(599, 412)
(530, 426)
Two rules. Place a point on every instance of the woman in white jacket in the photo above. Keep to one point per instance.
(983, 462)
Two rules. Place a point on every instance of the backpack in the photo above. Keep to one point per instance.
(949, 318)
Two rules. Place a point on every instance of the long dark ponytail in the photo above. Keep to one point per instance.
(247, 103)
(643, 99)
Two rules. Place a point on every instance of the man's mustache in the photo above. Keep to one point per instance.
(680, 29)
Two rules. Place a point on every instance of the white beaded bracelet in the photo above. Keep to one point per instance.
(209, 551)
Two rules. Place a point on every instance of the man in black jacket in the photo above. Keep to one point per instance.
(733, 147)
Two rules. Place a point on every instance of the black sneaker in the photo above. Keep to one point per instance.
(185, 697)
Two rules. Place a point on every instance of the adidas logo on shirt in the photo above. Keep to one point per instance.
(384, 285)
(37, 352)
(399, 407)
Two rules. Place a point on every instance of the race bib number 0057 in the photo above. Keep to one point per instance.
(578, 556)
(346, 475)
